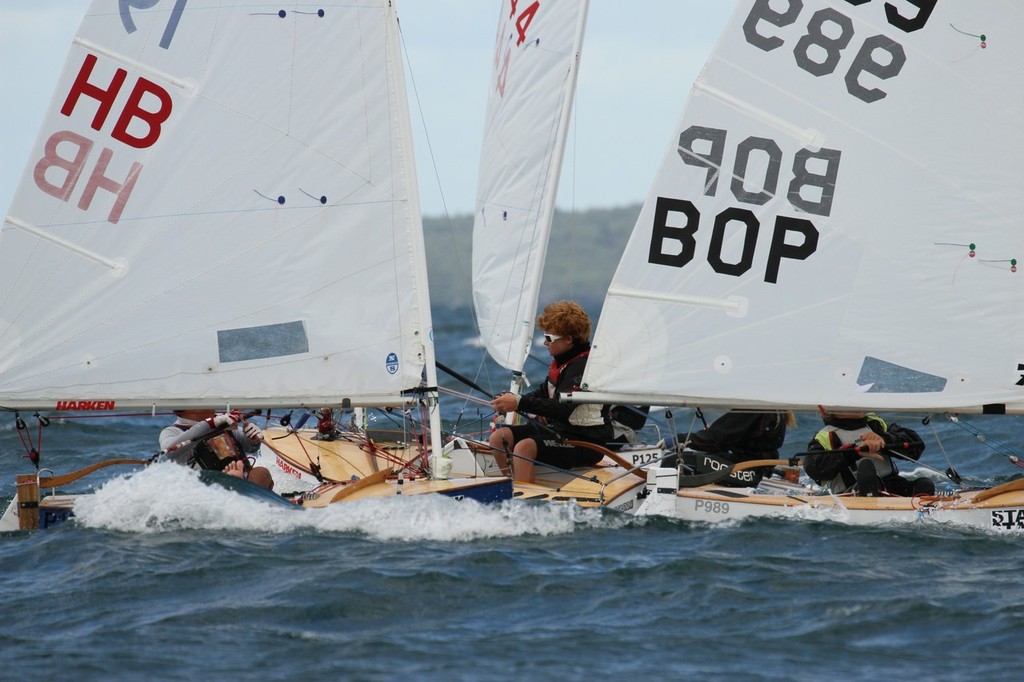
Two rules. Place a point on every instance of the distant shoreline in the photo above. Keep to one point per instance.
(582, 256)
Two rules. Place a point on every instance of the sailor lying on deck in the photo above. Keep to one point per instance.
(853, 456)
(736, 436)
(183, 442)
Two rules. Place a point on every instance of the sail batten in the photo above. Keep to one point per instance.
(73, 248)
(734, 304)
(137, 66)
(806, 137)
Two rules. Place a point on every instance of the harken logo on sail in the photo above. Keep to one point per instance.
(84, 405)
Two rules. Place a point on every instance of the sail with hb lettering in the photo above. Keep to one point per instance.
(220, 208)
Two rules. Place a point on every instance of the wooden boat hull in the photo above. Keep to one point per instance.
(1000, 508)
(307, 457)
(608, 484)
(604, 485)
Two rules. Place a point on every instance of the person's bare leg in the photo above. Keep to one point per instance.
(526, 454)
(501, 442)
(262, 476)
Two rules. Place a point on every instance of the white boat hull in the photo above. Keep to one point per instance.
(1003, 511)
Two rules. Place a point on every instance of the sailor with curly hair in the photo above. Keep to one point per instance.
(566, 328)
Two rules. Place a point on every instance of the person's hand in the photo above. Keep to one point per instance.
(506, 402)
(872, 441)
(252, 432)
(224, 420)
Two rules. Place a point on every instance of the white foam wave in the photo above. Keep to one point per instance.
(169, 497)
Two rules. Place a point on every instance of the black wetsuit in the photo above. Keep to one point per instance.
(566, 420)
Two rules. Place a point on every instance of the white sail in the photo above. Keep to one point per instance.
(836, 220)
(220, 208)
(533, 81)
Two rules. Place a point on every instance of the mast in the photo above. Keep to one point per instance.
(419, 263)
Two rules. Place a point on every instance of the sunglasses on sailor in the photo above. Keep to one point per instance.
(551, 338)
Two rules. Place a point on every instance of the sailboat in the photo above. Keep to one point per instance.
(533, 81)
(834, 224)
(220, 211)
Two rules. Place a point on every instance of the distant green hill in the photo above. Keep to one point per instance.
(582, 256)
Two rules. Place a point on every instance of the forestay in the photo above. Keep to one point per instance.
(534, 76)
(220, 208)
(836, 220)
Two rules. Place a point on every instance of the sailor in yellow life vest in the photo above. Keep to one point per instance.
(852, 453)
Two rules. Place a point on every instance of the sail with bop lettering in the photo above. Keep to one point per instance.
(836, 219)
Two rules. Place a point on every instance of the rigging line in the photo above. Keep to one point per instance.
(942, 448)
(675, 435)
(459, 261)
(314, 467)
(26, 440)
(459, 394)
(537, 463)
(468, 382)
(423, 120)
(948, 474)
(375, 450)
(420, 437)
(1016, 457)
(482, 367)
(354, 434)
(400, 425)
(460, 264)
(43, 421)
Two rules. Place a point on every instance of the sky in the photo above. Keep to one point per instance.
(639, 59)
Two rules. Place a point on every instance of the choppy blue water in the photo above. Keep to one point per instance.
(162, 577)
